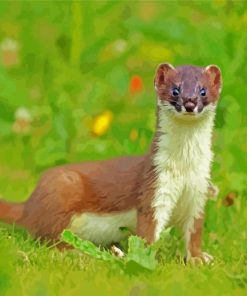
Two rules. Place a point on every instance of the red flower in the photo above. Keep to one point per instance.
(136, 84)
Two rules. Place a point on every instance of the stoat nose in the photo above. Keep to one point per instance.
(189, 106)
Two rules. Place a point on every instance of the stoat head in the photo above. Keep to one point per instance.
(187, 91)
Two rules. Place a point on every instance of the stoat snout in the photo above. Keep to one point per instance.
(190, 106)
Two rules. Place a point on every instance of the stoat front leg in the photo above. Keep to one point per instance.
(194, 234)
(151, 220)
(194, 242)
(146, 225)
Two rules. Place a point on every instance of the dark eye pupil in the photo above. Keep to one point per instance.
(175, 91)
(203, 92)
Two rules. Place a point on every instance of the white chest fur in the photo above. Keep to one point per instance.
(183, 169)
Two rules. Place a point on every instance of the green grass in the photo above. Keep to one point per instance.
(30, 268)
(73, 61)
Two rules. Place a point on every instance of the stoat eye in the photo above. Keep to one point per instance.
(203, 92)
(175, 91)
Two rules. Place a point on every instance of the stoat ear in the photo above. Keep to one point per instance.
(214, 75)
(164, 72)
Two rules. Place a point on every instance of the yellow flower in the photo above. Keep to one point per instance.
(102, 123)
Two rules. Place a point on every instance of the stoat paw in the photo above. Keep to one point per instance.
(213, 191)
(117, 252)
(202, 259)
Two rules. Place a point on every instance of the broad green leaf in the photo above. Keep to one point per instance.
(141, 254)
(86, 247)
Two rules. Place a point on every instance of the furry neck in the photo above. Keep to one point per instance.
(183, 142)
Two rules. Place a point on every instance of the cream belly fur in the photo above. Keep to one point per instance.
(103, 229)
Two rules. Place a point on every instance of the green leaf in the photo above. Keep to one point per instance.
(140, 254)
(86, 247)
(139, 258)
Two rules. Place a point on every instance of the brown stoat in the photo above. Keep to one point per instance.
(167, 186)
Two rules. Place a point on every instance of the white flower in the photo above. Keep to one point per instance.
(119, 46)
(10, 55)
(9, 44)
(23, 113)
(22, 123)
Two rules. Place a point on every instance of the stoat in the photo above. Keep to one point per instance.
(167, 186)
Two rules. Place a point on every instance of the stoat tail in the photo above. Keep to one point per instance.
(11, 212)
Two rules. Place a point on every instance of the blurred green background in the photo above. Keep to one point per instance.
(76, 81)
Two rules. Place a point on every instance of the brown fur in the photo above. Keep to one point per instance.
(87, 187)
(191, 79)
(96, 187)
(195, 239)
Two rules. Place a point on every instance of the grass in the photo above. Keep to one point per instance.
(30, 268)
(76, 84)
